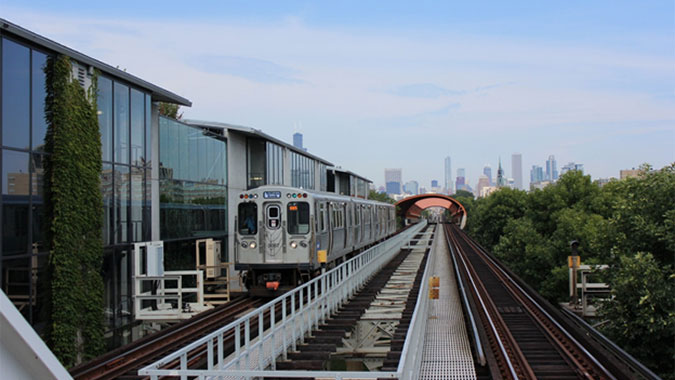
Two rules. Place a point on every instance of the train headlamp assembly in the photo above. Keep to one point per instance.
(294, 244)
(303, 244)
(251, 245)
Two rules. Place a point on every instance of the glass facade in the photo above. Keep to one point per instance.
(302, 171)
(323, 177)
(124, 123)
(275, 164)
(193, 179)
(23, 254)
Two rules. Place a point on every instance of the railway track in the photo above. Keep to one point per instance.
(522, 337)
(124, 362)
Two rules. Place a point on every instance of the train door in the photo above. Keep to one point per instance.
(274, 233)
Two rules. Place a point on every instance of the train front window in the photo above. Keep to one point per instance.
(248, 218)
(298, 218)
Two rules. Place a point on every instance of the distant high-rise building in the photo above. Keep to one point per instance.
(571, 166)
(460, 183)
(501, 178)
(630, 173)
(517, 170)
(434, 183)
(551, 170)
(536, 174)
(448, 175)
(411, 187)
(487, 171)
(392, 181)
(483, 182)
(297, 140)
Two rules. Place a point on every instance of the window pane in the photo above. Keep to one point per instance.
(121, 123)
(137, 128)
(15, 195)
(298, 218)
(137, 188)
(121, 216)
(39, 93)
(16, 89)
(248, 218)
(107, 190)
(105, 116)
(148, 130)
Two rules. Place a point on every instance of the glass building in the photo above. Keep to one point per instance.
(127, 115)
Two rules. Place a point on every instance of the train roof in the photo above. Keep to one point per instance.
(316, 193)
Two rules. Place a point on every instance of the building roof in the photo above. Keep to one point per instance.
(252, 132)
(157, 92)
(352, 174)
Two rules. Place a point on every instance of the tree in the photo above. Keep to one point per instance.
(462, 194)
(382, 197)
(74, 217)
(640, 316)
(170, 110)
(491, 214)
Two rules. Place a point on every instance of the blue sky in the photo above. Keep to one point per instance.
(375, 84)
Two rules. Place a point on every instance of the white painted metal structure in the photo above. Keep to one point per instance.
(158, 294)
(23, 355)
(323, 295)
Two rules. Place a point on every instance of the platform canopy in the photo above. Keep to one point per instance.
(412, 207)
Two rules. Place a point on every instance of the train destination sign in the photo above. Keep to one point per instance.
(272, 194)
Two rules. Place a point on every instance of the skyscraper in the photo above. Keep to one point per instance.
(536, 174)
(460, 184)
(411, 187)
(571, 166)
(487, 171)
(517, 170)
(297, 140)
(501, 179)
(392, 181)
(551, 170)
(448, 175)
(434, 183)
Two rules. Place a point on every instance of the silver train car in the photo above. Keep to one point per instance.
(281, 229)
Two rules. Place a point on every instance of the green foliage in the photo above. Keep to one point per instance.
(641, 315)
(490, 215)
(74, 215)
(462, 194)
(170, 110)
(531, 234)
(382, 197)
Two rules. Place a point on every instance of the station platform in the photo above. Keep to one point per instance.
(447, 350)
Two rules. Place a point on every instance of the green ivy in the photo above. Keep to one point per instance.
(74, 216)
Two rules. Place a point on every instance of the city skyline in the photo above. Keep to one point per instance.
(589, 83)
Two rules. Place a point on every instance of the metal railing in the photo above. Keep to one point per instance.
(164, 299)
(256, 347)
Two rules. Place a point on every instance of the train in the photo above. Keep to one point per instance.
(282, 230)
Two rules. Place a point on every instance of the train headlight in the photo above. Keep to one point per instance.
(303, 244)
(244, 244)
(294, 244)
(252, 245)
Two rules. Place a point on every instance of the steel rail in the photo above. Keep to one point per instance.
(138, 353)
(508, 280)
(491, 323)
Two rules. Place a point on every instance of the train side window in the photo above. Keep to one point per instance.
(273, 217)
(298, 218)
(322, 217)
(248, 218)
(357, 215)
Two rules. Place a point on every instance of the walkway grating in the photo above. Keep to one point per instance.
(447, 350)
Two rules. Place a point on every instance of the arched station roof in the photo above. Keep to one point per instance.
(412, 207)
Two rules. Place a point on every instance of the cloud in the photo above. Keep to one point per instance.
(256, 70)
(424, 90)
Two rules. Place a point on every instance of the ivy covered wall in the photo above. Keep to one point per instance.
(74, 215)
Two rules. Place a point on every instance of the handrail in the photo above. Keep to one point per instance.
(256, 349)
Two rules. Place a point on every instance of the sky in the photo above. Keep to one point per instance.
(374, 85)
